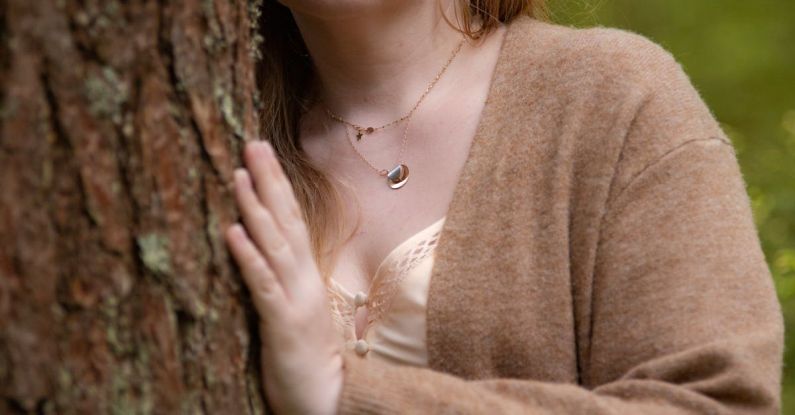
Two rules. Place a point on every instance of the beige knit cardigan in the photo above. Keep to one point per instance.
(599, 254)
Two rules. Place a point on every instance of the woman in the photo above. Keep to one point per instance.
(587, 245)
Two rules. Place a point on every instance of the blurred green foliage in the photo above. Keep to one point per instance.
(740, 55)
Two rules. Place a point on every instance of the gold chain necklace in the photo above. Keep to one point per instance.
(361, 130)
(398, 175)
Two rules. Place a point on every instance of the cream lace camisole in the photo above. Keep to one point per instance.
(395, 304)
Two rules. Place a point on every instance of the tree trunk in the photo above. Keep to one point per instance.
(121, 123)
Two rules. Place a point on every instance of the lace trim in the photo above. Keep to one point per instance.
(341, 312)
(383, 287)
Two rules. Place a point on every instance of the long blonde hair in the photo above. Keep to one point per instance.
(285, 78)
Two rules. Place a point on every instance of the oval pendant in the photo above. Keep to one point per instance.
(398, 176)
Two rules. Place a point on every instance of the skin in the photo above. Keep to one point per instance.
(374, 59)
(302, 366)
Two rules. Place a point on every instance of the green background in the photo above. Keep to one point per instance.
(740, 55)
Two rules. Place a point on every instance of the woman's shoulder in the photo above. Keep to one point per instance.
(596, 54)
(607, 88)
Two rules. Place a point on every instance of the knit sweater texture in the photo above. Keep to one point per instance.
(599, 255)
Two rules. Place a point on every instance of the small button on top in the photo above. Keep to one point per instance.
(360, 299)
(361, 347)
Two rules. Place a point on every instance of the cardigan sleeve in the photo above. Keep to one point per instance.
(684, 313)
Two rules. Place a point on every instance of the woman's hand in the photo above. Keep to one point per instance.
(301, 357)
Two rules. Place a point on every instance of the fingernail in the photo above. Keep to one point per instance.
(241, 177)
(237, 230)
(268, 147)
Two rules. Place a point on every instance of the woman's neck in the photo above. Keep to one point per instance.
(373, 65)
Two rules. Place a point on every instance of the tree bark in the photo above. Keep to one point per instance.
(121, 123)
